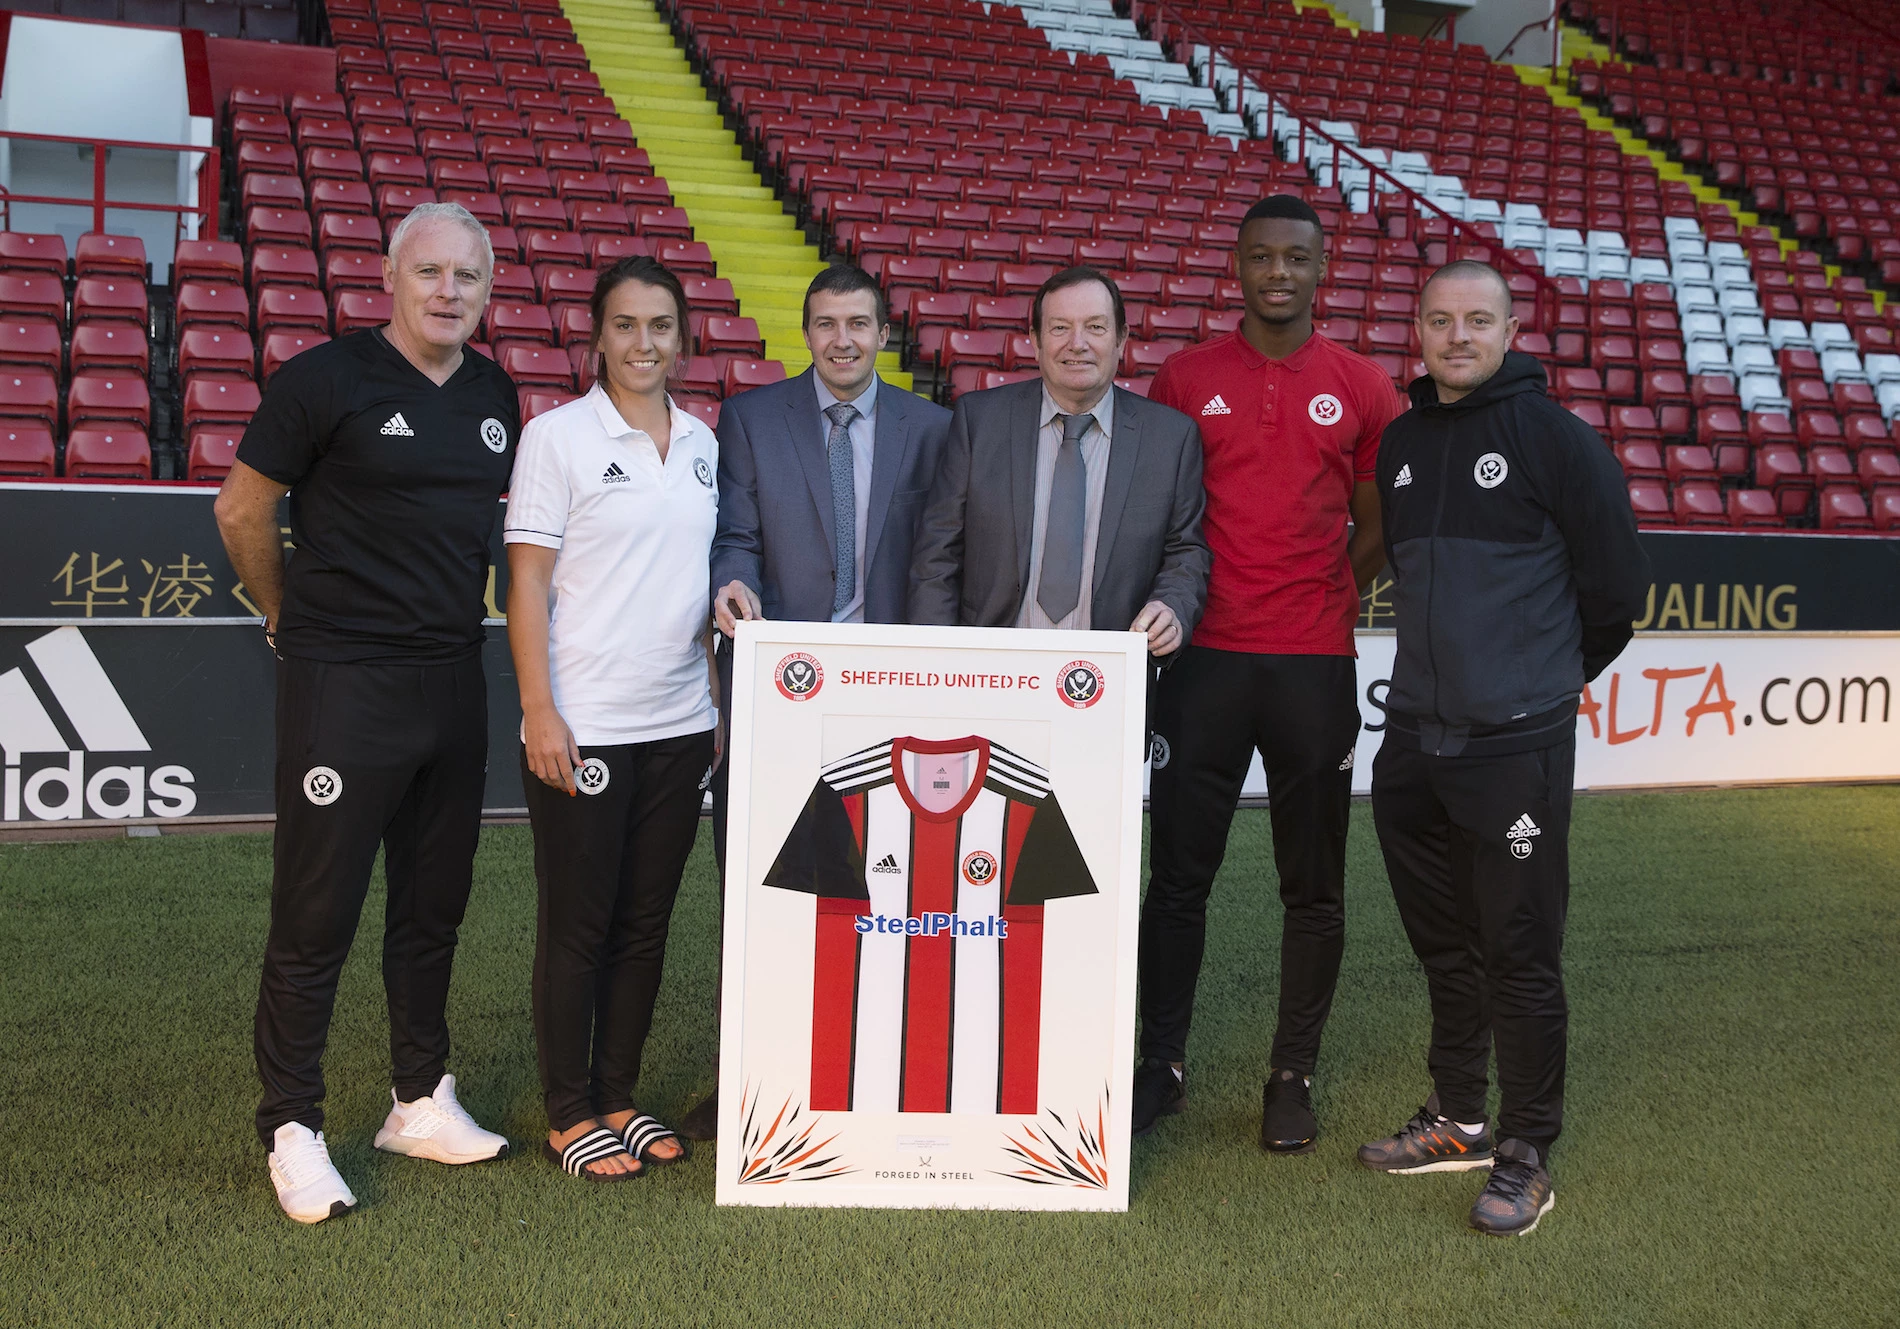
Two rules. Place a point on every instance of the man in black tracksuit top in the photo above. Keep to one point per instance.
(1517, 574)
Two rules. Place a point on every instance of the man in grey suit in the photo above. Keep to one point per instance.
(1067, 502)
(821, 479)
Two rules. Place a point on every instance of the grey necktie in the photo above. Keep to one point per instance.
(1061, 583)
(844, 502)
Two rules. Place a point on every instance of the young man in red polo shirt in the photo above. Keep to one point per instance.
(1290, 423)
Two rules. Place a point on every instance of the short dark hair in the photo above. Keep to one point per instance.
(1468, 267)
(1080, 275)
(1289, 207)
(843, 279)
(648, 272)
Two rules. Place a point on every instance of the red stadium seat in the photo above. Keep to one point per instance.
(118, 256)
(352, 270)
(1844, 508)
(1651, 503)
(539, 401)
(107, 396)
(283, 266)
(109, 450)
(356, 310)
(23, 254)
(705, 410)
(1699, 503)
(286, 307)
(1753, 507)
(32, 343)
(283, 346)
(216, 351)
(26, 449)
(37, 296)
(537, 366)
(29, 394)
(742, 374)
(218, 401)
(208, 260)
(112, 348)
(741, 335)
(117, 298)
(514, 320)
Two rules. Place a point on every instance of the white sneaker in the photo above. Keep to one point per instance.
(438, 1127)
(308, 1185)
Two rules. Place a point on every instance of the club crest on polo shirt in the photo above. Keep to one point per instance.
(1217, 407)
(494, 435)
(1325, 409)
(703, 470)
(397, 427)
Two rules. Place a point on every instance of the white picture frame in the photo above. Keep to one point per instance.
(955, 1064)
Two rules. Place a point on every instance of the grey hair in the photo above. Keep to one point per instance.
(448, 212)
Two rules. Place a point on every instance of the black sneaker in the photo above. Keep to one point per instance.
(1160, 1091)
(1428, 1143)
(1518, 1194)
(1287, 1124)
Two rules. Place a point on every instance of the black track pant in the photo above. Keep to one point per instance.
(608, 864)
(394, 755)
(1478, 852)
(1212, 710)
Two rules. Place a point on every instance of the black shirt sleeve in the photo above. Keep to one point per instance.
(820, 856)
(292, 427)
(1050, 865)
(1607, 560)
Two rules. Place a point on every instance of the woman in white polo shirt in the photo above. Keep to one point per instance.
(609, 533)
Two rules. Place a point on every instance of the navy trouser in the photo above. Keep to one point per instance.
(1212, 710)
(1478, 852)
(367, 755)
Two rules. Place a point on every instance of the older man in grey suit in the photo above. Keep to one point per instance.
(821, 479)
(1067, 502)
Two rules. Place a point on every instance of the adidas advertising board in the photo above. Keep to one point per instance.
(931, 896)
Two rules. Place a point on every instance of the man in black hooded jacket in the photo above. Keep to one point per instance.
(1517, 574)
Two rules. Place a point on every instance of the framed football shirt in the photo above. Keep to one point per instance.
(932, 882)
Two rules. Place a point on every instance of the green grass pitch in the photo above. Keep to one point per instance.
(1732, 1154)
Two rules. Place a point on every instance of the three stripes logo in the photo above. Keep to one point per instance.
(397, 427)
(888, 863)
(1520, 836)
(1217, 407)
(59, 703)
(613, 475)
(1404, 476)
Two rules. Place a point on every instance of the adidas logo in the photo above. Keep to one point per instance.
(70, 682)
(1523, 828)
(397, 427)
(1217, 407)
(613, 475)
(888, 863)
(1404, 476)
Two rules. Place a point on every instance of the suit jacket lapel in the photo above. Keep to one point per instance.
(808, 441)
(1024, 432)
(1122, 449)
(890, 447)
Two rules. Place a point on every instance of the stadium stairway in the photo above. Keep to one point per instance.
(756, 243)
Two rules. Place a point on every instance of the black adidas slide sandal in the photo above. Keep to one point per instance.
(597, 1144)
(642, 1132)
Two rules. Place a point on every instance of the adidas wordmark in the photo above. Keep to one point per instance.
(397, 427)
(1404, 476)
(1522, 828)
(1217, 407)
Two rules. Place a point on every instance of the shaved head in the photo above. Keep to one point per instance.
(1468, 270)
